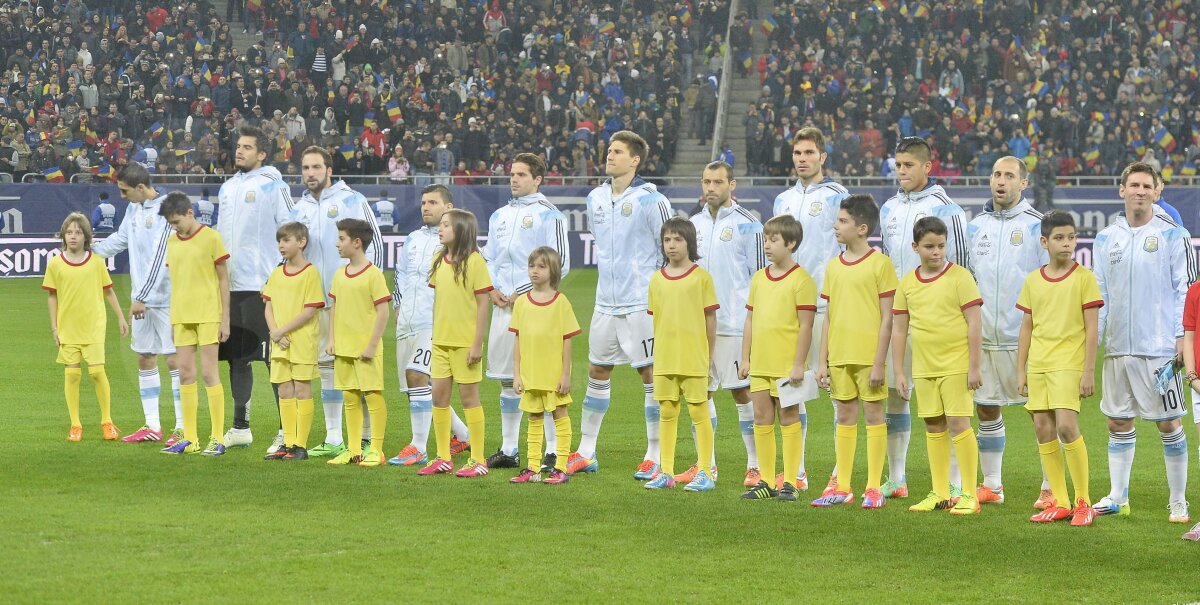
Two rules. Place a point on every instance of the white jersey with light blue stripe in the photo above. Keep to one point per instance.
(731, 250)
(903, 210)
(816, 208)
(412, 296)
(627, 230)
(1005, 246)
(514, 231)
(338, 201)
(144, 234)
(253, 205)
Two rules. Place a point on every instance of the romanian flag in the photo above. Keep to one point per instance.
(287, 149)
(1039, 88)
(685, 15)
(54, 175)
(347, 151)
(1163, 111)
(922, 11)
(830, 36)
(351, 43)
(156, 129)
(878, 6)
(200, 43)
(747, 60)
(608, 27)
(329, 96)
(1164, 139)
(1138, 146)
(1092, 156)
(769, 24)
(1015, 43)
(393, 110)
(904, 8)
(89, 135)
(206, 73)
(1189, 169)
(1168, 172)
(31, 118)
(383, 4)
(254, 5)
(369, 119)
(105, 171)
(1099, 116)
(1033, 130)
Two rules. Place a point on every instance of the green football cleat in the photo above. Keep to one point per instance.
(327, 450)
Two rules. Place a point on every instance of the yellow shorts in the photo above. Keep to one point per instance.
(847, 383)
(451, 362)
(283, 370)
(765, 383)
(536, 402)
(71, 355)
(187, 335)
(1054, 390)
(694, 389)
(944, 396)
(354, 374)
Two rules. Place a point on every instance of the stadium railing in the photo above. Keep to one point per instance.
(718, 132)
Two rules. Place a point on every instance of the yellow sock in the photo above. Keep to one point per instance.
(287, 418)
(216, 410)
(562, 431)
(668, 432)
(938, 445)
(1056, 473)
(352, 400)
(103, 391)
(71, 379)
(702, 424)
(1077, 461)
(537, 427)
(764, 444)
(304, 417)
(189, 400)
(966, 449)
(876, 453)
(476, 427)
(845, 443)
(441, 431)
(377, 407)
(793, 447)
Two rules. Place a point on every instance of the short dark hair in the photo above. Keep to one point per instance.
(1139, 167)
(537, 166)
(635, 143)
(441, 190)
(177, 203)
(916, 146)
(721, 165)
(262, 142)
(326, 157)
(809, 133)
(862, 208)
(926, 225)
(294, 229)
(358, 229)
(685, 229)
(134, 174)
(787, 227)
(1054, 219)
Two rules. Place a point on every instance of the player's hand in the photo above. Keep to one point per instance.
(1087, 383)
(823, 377)
(124, 327)
(901, 386)
(277, 335)
(223, 331)
(329, 350)
(474, 355)
(137, 310)
(284, 343)
(876, 378)
(1023, 384)
(743, 369)
(54, 333)
(974, 380)
(499, 299)
(368, 353)
(518, 386)
(796, 377)
(564, 385)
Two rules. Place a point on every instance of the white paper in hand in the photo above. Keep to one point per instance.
(790, 395)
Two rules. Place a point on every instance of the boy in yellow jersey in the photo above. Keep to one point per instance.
(1056, 361)
(940, 301)
(361, 302)
(293, 296)
(78, 284)
(682, 297)
(199, 318)
(859, 285)
(543, 324)
(778, 330)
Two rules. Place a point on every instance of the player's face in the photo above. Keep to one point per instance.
(445, 231)
(539, 272)
(133, 195)
(73, 237)
(290, 247)
(345, 245)
(247, 155)
(1061, 243)
(807, 159)
(183, 224)
(717, 187)
(1007, 183)
(674, 247)
(1139, 192)
(932, 250)
(521, 180)
(776, 248)
(844, 228)
(912, 173)
(316, 174)
(620, 162)
(432, 208)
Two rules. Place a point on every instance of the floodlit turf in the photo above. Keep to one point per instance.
(101, 522)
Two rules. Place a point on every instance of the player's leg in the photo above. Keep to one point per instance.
(998, 369)
(791, 428)
(1066, 420)
(669, 388)
(1175, 455)
(173, 367)
(899, 431)
(845, 441)
(185, 356)
(562, 433)
(764, 438)
(700, 409)
(1117, 403)
(215, 394)
(288, 408)
(1045, 426)
(745, 412)
(72, 378)
(651, 461)
(1167, 410)
(331, 397)
(635, 337)
(420, 400)
(604, 351)
(238, 351)
(500, 367)
(150, 389)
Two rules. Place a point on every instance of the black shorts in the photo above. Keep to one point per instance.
(248, 332)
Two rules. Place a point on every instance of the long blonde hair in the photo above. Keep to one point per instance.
(76, 218)
(466, 235)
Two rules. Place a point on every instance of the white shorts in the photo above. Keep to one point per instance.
(814, 346)
(152, 334)
(323, 327)
(621, 339)
(727, 359)
(999, 373)
(414, 352)
(908, 357)
(500, 345)
(1129, 390)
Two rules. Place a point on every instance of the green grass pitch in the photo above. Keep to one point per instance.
(98, 522)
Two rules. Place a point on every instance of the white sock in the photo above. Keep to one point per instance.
(899, 430)
(510, 418)
(457, 426)
(366, 434)
(1121, 447)
(178, 401)
(331, 401)
(991, 452)
(745, 412)
(1175, 454)
(595, 404)
(420, 415)
(802, 407)
(551, 436)
(712, 415)
(150, 386)
(652, 414)
(833, 473)
(955, 476)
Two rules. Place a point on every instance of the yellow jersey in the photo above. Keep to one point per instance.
(541, 330)
(937, 325)
(354, 298)
(195, 290)
(854, 291)
(80, 290)
(290, 294)
(678, 304)
(1056, 306)
(775, 328)
(454, 308)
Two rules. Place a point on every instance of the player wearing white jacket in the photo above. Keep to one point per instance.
(1144, 263)
(527, 222)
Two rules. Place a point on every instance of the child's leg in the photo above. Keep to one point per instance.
(846, 442)
(792, 428)
(877, 443)
(72, 376)
(304, 411)
(441, 416)
(764, 434)
(535, 434)
(745, 412)
(1045, 425)
(937, 443)
(214, 390)
(377, 409)
(354, 413)
(966, 446)
(287, 411)
(103, 391)
(667, 432)
(1075, 452)
(703, 421)
(562, 431)
(469, 393)
(189, 398)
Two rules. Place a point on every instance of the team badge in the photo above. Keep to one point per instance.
(250, 195)
(332, 212)
(627, 209)
(527, 222)
(149, 222)
(816, 208)
(1016, 238)
(1151, 244)
(727, 234)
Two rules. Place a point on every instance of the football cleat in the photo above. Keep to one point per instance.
(457, 447)
(215, 448)
(183, 446)
(834, 499)
(1178, 512)
(110, 432)
(327, 449)
(1052, 514)
(576, 463)
(660, 481)
(371, 458)
(987, 495)
(648, 470)
(752, 477)
(409, 456)
(1107, 506)
(890, 489)
(76, 434)
(527, 475)
(702, 482)
(1083, 515)
(688, 475)
(761, 491)
(966, 505)
(557, 477)
(873, 498)
(502, 460)
(346, 457)
(175, 437)
(831, 486)
(238, 438)
(1045, 500)
(296, 452)
(143, 435)
(1193, 534)
(787, 493)
(437, 467)
(549, 461)
(279, 454)
(956, 492)
(802, 483)
(931, 503)
(472, 469)
(277, 443)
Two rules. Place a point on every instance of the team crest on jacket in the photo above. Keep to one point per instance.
(727, 234)
(332, 212)
(627, 209)
(1016, 238)
(527, 222)
(149, 222)
(250, 195)
(1151, 244)
(815, 208)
